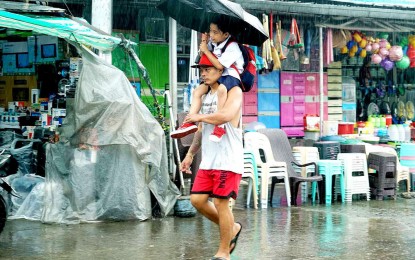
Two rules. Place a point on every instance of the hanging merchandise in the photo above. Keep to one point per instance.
(295, 37)
(266, 46)
(328, 47)
(410, 110)
(274, 52)
(279, 42)
(305, 54)
(340, 38)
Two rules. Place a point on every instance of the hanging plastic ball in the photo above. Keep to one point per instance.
(375, 46)
(363, 53)
(405, 50)
(357, 37)
(363, 43)
(383, 43)
(387, 64)
(412, 64)
(350, 44)
(368, 47)
(384, 35)
(383, 52)
(403, 63)
(404, 41)
(395, 53)
(376, 59)
(352, 54)
(354, 48)
(411, 53)
(344, 50)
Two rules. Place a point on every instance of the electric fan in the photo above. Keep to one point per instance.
(385, 108)
(372, 109)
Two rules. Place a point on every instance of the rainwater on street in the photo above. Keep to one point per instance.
(358, 230)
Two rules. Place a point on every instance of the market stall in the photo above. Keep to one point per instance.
(109, 152)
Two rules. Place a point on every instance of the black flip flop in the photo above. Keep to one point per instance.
(235, 239)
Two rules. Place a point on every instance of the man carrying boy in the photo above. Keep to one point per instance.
(221, 168)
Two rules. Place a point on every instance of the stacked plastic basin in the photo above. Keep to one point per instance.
(269, 99)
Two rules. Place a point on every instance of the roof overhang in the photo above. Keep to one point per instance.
(20, 7)
(72, 29)
(313, 8)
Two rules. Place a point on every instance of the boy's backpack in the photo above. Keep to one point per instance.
(249, 73)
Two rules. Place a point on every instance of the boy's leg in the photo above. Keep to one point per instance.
(188, 128)
(219, 130)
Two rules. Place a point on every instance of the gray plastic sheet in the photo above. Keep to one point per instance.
(112, 154)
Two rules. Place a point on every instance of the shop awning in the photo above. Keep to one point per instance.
(381, 3)
(71, 29)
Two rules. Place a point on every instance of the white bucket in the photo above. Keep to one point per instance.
(330, 127)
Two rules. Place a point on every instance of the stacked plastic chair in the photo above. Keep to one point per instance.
(355, 174)
(383, 181)
(304, 155)
(257, 143)
(352, 148)
(251, 172)
(328, 150)
(407, 157)
(281, 150)
(402, 172)
(330, 169)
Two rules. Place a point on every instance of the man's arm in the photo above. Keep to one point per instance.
(193, 149)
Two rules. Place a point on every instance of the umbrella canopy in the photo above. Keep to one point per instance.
(197, 15)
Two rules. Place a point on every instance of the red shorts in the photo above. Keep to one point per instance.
(217, 183)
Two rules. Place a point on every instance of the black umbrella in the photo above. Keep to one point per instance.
(197, 15)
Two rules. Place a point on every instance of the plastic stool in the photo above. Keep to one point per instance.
(330, 169)
(383, 182)
(328, 150)
(352, 148)
(356, 178)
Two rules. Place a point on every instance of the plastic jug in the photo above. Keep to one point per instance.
(388, 120)
(407, 132)
(393, 133)
(401, 133)
(382, 121)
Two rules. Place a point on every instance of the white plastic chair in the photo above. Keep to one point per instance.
(258, 143)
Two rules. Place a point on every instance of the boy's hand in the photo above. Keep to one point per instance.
(204, 37)
(203, 45)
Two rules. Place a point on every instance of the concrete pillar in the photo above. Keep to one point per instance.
(173, 63)
(101, 17)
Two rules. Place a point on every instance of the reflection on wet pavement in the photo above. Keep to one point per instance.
(361, 230)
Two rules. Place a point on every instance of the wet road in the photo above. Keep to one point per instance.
(361, 230)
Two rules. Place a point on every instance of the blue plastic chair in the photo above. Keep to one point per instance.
(251, 171)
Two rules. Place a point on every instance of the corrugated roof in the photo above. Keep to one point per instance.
(381, 3)
(327, 8)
